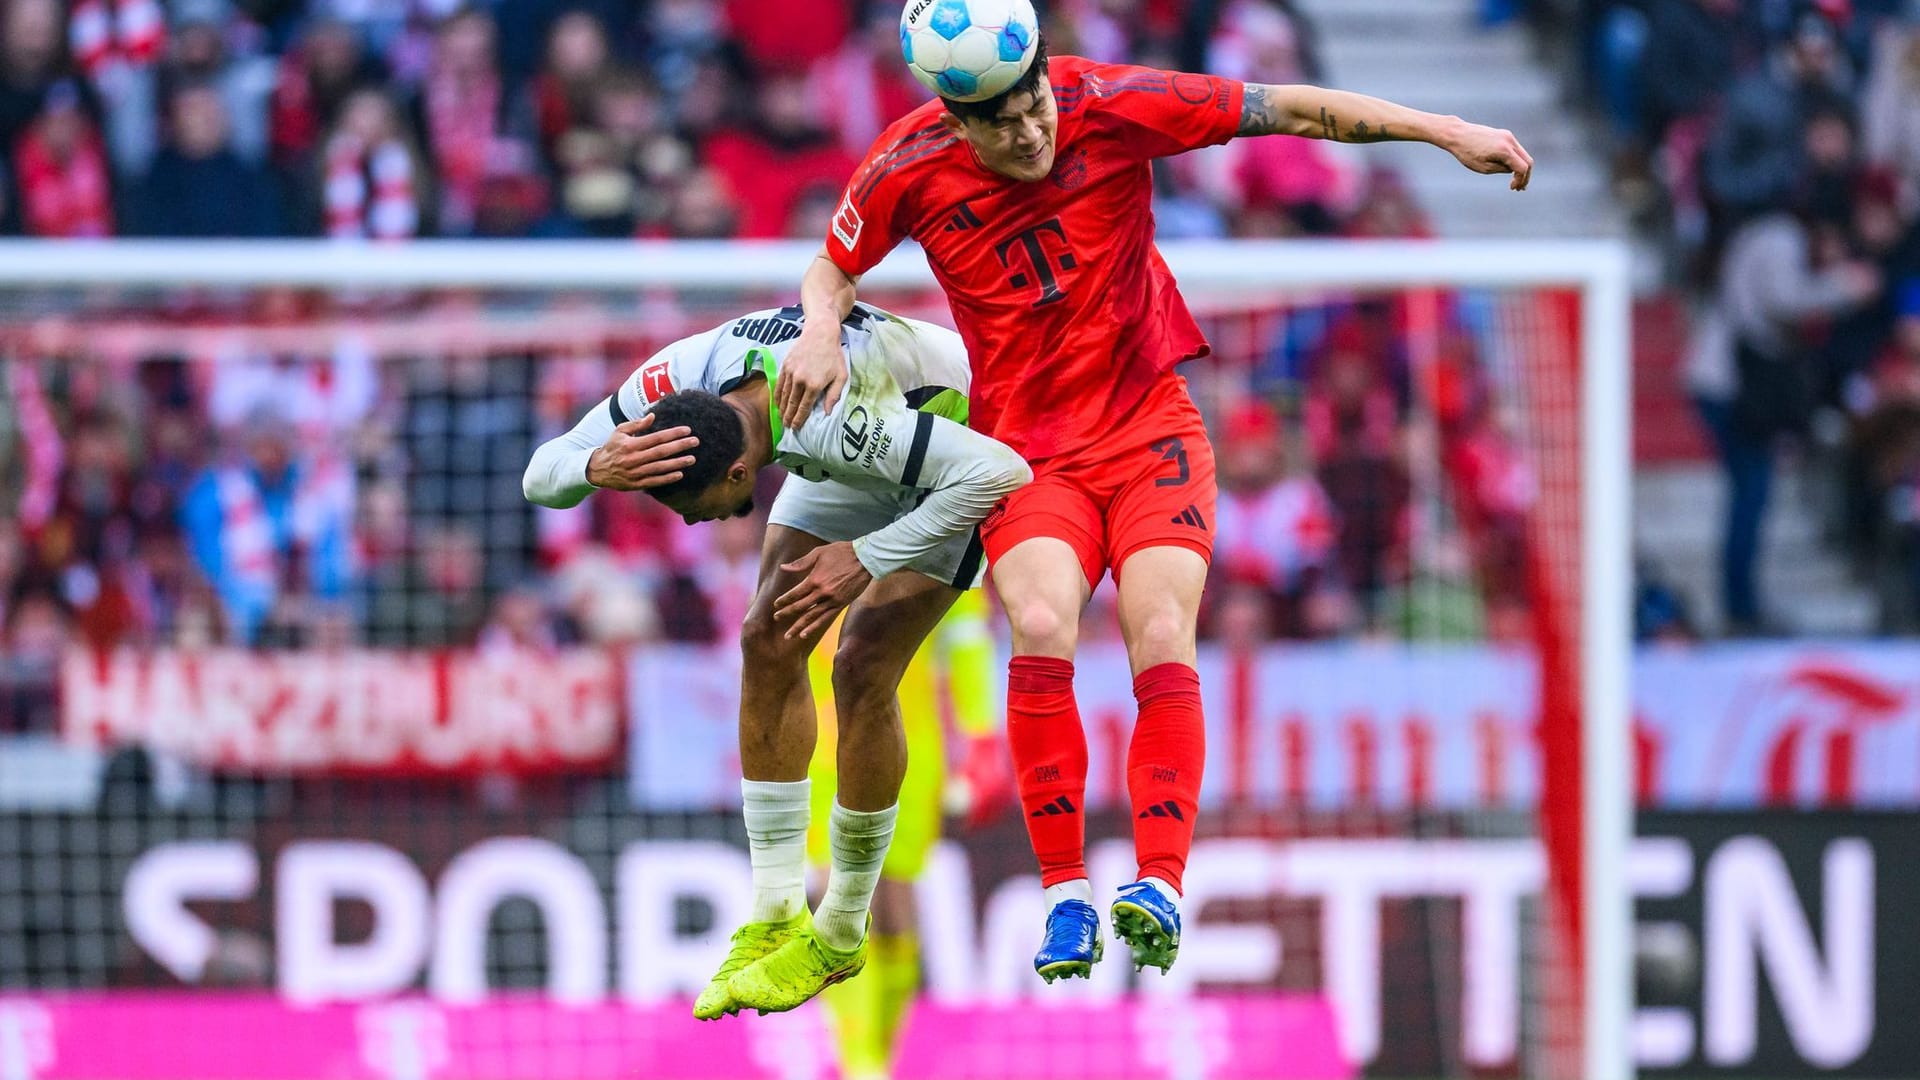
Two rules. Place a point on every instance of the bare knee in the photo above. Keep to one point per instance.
(866, 674)
(765, 648)
(1041, 628)
(1162, 636)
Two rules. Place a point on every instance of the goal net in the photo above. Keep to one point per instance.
(324, 754)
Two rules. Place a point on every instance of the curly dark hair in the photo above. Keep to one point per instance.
(723, 438)
(1029, 82)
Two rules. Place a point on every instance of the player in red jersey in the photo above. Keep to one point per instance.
(1035, 212)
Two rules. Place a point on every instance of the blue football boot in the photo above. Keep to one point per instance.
(1150, 925)
(1072, 944)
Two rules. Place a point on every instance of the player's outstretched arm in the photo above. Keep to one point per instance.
(814, 369)
(1341, 116)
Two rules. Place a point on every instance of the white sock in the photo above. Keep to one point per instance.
(859, 840)
(1078, 889)
(1164, 888)
(776, 816)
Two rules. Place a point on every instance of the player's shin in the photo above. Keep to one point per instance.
(1164, 765)
(776, 814)
(858, 841)
(1050, 763)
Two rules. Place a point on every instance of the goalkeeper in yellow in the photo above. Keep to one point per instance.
(951, 677)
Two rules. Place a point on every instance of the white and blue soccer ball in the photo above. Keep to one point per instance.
(968, 50)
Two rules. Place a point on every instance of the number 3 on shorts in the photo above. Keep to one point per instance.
(1173, 450)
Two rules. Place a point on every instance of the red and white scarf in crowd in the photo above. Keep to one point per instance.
(460, 117)
(322, 504)
(370, 194)
(106, 33)
(45, 451)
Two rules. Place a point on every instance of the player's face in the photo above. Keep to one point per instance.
(729, 496)
(1018, 143)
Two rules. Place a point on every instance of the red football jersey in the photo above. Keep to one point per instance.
(1068, 312)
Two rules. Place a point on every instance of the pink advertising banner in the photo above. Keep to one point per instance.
(259, 1037)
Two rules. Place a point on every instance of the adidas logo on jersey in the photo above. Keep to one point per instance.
(1061, 805)
(963, 219)
(1190, 516)
(1163, 809)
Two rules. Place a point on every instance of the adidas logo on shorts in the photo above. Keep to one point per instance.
(1190, 516)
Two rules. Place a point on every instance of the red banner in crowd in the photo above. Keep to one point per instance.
(351, 711)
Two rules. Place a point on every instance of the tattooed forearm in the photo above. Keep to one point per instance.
(1260, 113)
(1309, 112)
(1361, 133)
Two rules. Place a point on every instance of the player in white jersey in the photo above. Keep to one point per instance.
(892, 486)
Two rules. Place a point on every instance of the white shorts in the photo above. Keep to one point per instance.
(833, 511)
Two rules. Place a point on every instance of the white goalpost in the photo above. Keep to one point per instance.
(1598, 564)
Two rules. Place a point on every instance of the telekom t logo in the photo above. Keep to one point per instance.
(404, 1040)
(1028, 255)
(26, 1040)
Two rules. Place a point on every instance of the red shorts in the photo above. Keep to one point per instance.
(1151, 486)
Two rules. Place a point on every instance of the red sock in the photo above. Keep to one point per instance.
(1049, 763)
(1164, 763)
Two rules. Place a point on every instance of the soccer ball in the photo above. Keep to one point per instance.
(968, 50)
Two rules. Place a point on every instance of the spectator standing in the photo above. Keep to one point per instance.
(373, 185)
(1275, 532)
(1692, 52)
(863, 87)
(621, 168)
(469, 421)
(207, 50)
(29, 64)
(268, 528)
(1881, 232)
(65, 186)
(705, 206)
(684, 39)
(199, 186)
(115, 45)
(1273, 187)
(1885, 456)
(439, 600)
(1251, 34)
(1353, 422)
(315, 78)
(1751, 373)
(563, 92)
(458, 113)
(1756, 155)
(779, 157)
(1891, 103)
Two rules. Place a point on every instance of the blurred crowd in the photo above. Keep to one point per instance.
(347, 490)
(322, 489)
(533, 118)
(1775, 146)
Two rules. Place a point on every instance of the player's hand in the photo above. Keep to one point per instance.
(833, 578)
(635, 458)
(813, 371)
(1493, 150)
